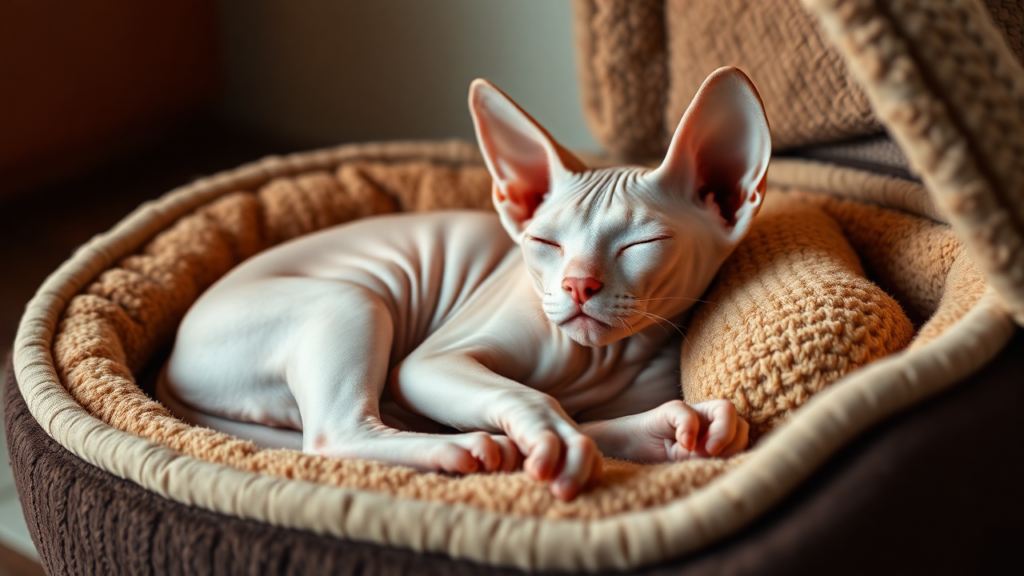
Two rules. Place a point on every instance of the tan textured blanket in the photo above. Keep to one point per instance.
(790, 313)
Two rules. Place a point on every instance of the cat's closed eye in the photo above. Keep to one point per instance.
(643, 242)
(547, 242)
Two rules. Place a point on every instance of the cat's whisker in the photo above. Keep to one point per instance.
(538, 315)
(661, 319)
(676, 326)
(665, 320)
(674, 298)
(625, 326)
(652, 316)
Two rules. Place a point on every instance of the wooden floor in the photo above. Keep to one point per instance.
(41, 228)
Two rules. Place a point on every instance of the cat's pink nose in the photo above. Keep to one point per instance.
(581, 289)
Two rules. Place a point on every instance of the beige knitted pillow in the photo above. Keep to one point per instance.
(790, 312)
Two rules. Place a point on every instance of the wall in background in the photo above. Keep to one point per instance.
(84, 84)
(316, 72)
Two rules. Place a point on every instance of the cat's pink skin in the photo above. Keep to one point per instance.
(541, 332)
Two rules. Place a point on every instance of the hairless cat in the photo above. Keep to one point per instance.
(542, 334)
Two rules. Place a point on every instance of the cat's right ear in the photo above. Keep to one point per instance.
(524, 160)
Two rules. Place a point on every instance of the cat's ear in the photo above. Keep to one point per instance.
(522, 157)
(719, 154)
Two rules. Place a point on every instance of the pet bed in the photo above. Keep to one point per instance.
(798, 337)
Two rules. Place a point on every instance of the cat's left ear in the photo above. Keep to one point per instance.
(719, 154)
(524, 160)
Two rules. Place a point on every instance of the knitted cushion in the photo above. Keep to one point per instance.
(789, 313)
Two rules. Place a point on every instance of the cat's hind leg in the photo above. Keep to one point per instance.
(260, 434)
(337, 369)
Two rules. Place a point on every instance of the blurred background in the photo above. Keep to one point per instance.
(107, 103)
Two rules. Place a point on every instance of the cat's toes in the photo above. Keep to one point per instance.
(740, 440)
(570, 461)
(511, 459)
(484, 448)
(725, 425)
(542, 463)
(488, 453)
(582, 465)
(452, 458)
(675, 421)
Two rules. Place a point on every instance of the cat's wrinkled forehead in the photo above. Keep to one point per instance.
(597, 201)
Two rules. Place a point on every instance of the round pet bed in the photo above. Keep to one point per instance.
(102, 316)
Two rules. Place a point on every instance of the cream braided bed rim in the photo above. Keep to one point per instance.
(629, 540)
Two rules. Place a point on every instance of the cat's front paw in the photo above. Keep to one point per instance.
(719, 430)
(567, 458)
(556, 450)
(673, 432)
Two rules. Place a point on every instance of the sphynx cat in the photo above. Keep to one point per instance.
(538, 332)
